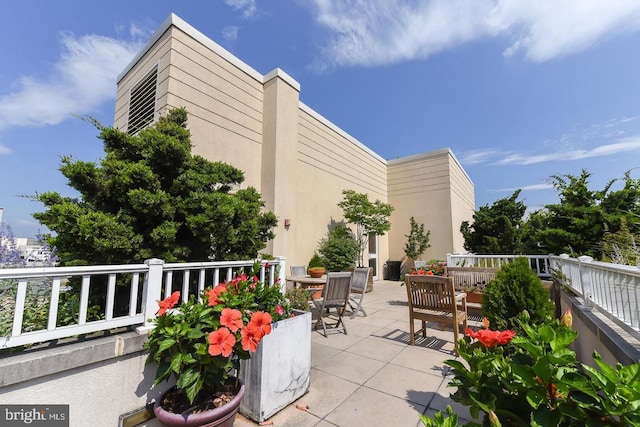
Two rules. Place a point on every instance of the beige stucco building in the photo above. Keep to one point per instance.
(297, 159)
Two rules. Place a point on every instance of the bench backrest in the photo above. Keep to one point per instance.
(430, 293)
(465, 277)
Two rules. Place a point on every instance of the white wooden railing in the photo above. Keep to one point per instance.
(614, 289)
(145, 283)
(539, 263)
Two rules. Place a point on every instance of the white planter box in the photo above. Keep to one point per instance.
(278, 372)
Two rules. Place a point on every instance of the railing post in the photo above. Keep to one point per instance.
(151, 292)
(585, 281)
(449, 260)
(282, 273)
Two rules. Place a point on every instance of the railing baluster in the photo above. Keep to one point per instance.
(53, 304)
(201, 280)
(84, 299)
(168, 282)
(185, 285)
(133, 296)
(111, 296)
(18, 315)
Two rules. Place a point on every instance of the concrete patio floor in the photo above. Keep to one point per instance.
(372, 376)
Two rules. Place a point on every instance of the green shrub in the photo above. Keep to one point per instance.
(339, 249)
(299, 298)
(516, 288)
(315, 261)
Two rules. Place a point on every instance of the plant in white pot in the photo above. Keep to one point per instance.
(201, 343)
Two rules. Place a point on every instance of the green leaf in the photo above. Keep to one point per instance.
(162, 373)
(193, 390)
(535, 399)
(187, 378)
(176, 363)
(165, 344)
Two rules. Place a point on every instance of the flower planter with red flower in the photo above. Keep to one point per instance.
(202, 341)
(279, 371)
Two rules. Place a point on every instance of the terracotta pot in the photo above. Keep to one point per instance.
(474, 297)
(223, 416)
(317, 294)
(316, 272)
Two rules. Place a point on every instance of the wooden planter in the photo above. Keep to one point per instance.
(278, 373)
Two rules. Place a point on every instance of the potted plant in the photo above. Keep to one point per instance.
(201, 343)
(339, 249)
(417, 240)
(316, 267)
(370, 218)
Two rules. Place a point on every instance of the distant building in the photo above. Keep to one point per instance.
(298, 160)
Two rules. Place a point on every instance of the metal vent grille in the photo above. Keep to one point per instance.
(142, 105)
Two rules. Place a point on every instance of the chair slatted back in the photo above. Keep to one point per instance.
(359, 279)
(336, 290)
(431, 293)
(298, 270)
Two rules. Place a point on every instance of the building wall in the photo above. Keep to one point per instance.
(434, 189)
(298, 160)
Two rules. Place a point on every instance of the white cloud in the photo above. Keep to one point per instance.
(624, 145)
(532, 187)
(230, 33)
(370, 33)
(248, 7)
(473, 157)
(4, 150)
(83, 78)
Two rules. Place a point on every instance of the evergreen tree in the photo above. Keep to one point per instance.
(496, 229)
(417, 240)
(150, 197)
(576, 224)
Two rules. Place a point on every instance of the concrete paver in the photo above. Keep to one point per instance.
(372, 376)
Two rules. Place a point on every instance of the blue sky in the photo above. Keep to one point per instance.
(519, 90)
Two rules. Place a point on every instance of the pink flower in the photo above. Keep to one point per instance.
(280, 309)
(168, 303)
(214, 293)
(221, 342)
(231, 318)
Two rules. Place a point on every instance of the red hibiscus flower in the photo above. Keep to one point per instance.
(214, 293)
(261, 322)
(168, 303)
(221, 342)
(490, 338)
(250, 338)
(231, 318)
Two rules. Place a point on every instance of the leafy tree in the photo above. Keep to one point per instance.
(417, 240)
(150, 197)
(496, 229)
(370, 218)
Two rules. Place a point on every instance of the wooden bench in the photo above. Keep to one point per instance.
(466, 279)
(433, 299)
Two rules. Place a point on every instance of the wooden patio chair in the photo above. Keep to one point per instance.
(335, 295)
(358, 287)
(297, 270)
(433, 299)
